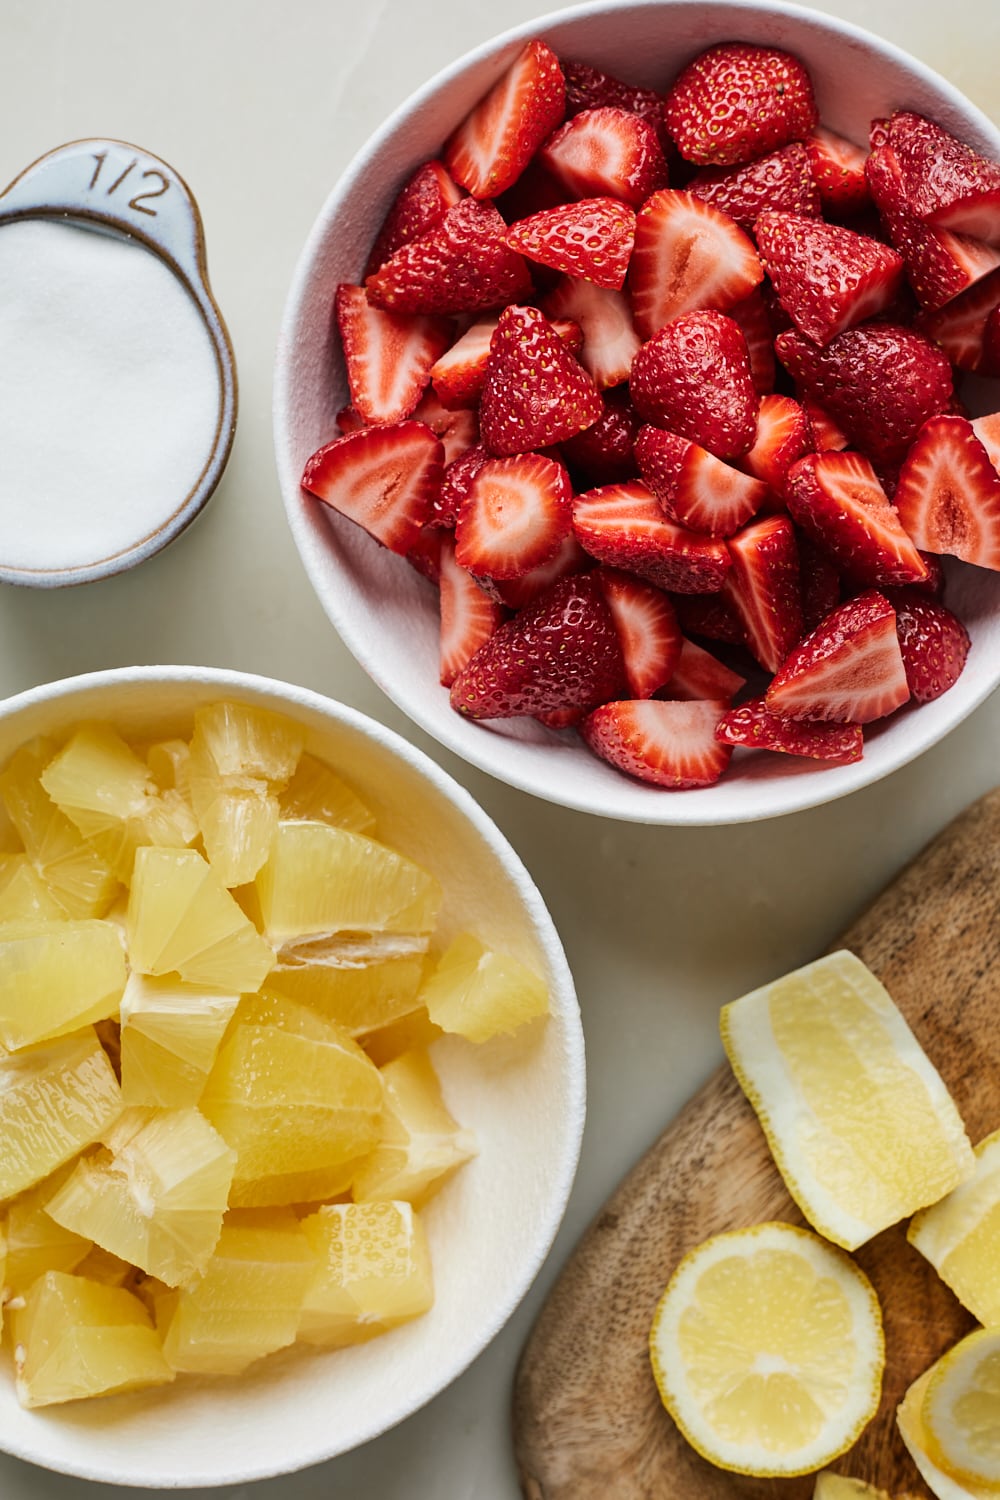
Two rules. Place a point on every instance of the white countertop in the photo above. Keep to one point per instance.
(260, 107)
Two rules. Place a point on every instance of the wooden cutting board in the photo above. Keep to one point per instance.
(588, 1423)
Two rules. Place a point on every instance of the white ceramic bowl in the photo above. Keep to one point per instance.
(385, 613)
(489, 1229)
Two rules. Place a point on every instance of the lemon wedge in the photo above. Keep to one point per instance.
(767, 1349)
(909, 1421)
(961, 1410)
(960, 1235)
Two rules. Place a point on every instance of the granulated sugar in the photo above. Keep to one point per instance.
(109, 395)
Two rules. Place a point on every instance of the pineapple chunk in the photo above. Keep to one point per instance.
(317, 795)
(478, 994)
(169, 1038)
(421, 1145)
(23, 892)
(411, 1033)
(56, 977)
(360, 997)
(55, 1099)
(374, 1272)
(76, 1338)
(35, 1242)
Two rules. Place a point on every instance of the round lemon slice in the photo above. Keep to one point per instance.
(961, 1410)
(959, 1236)
(910, 1422)
(767, 1350)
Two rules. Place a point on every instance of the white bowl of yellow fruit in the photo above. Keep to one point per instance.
(291, 1078)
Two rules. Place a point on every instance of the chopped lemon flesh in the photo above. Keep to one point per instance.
(373, 1272)
(56, 977)
(317, 794)
(411, 1033)
(960, 1236)
(55, 1099)
(23, 892)
(477, 993)
(421, 1145)
(35, 1242)
(360, 997)
(170, 1034)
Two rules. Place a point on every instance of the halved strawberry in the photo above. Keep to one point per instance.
(694, 378)
(606, 152)
(734, 102)
(758, 727)
(516, 593)
(764, 590)
(687, 256)
(534, 393)
(837, 500)
(987, 430)
(754, 322)
(647, 629)
(515, 515)
(838, 168)
(933, 642)
(699, 676)
(457, 377)
(591, 238)
(848, 671)
(462, 265)
(603, 454)
(960, 326)
(784, 435)
(500, 134)
(610, 341)
(946, 182)
(782, 180)
(671, 745)
(388, 356)
(709, 615)
(827, 278)
(825, 432)
(418, 207)
(468, 616)
(458, 430)
(382, 478)
(948, 496)
(624, 526)
(693, 486)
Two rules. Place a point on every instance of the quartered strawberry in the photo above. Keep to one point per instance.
(603, 454)
(605, 318)
(709, 615)
(948, 496)
(535, 393)
(694, 487)
(516, 593)
(694, 378)
(757, 727)
(462, 265)
(591, 238)
(933, 642)
(879, 383)
(819, 579)
(590, 88)
(946, 182)
(382, 478)
(458, 375)
(514, 517)
(838, 169)
(700, 676)
(388, 356)
(671, 745)
(827, 278)
(735, 102)
(468, 616)
(623, 525)
(418, 208)
(754, 322)
(781, 180)
(825, 432)
(561, 652)
(606, 152)
(455, 482)
(848, 671)
(784, 435)
(499, 136)
(647, 630)
(960, 327)
(763, 588)
(687, 256)
(837, 500)
(457, 430)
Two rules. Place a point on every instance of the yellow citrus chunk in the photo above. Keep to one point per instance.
(170, 764)
(23, 892)
(170, 1034)
(182, 920)
(374, 1272)
(317, 794)
(767, 1350)
(910, 1423)
(421, 1145)
(107, 1269)
(360, 997)
(839, 1487)
(318, 1185)
(477, 993)
(411, 1033)
(157, 1197)
(859, 1122)
(35, 1242)
(56, 977)
(961, 1410)
(55, 1099)
(76, 1338)
(960, 1236)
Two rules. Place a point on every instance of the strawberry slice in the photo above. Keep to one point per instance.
(848, 671)
(709, 615)
(516, 593)
(424, 557)
(837, 500)
(838, 168)
(388, 355)
(382, 478)
(515, 516)
(784, 435)
(603, 454)
(948, 496)
(606, 152)
(462, 265)
(825, 432)
(455, 483)
(458, 375)
(693, 486)
(590, 88)
(687, 256)
(418, 207)
(764, 590)
(782, 180)
(694, 378)
(624, 526)
(757, 727)
(468, 616)
(499, 136)
(934, 644)
(610, 341)
(754, 322)
(591, 238)
(827, 278)
(960, 326)
(987, 430)
(671, 745)
(561, 652)
(647, 629)
(735, 102)
(700, 676)
(350, 420)
(535, 393)
(457, 430)
(946, 182)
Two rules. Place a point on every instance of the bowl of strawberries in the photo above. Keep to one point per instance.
(637, 409)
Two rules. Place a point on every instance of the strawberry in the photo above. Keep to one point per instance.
(848, 671)
(350, 420)
(457, 377)
(934, 644)
(590, 88)
(516, 593)
(987, 430)
(457, 430)
(753, 320)
(603, 454)
(647, 629)
(699, 676)
(710, 616)
(948, 496)
(624, 526)
(960, 326)
(735, 102)
(591, 238)
(757, 727)
(819, 578)
(468, 616)
(561, 652)
(418, 207)
(879, 383)
(826, 435)
(694, 487)
(671, 745)
(388, 355)
(946, 182)
(837, 500)
(784, 435)
(424, 555)
(606, 152)
(382, 478)
(535, 393)
(782, 180)
(515, 516)
(461, 265)
(500, 134)
(687, 256)
(990, 362)
(694, 378)
(455, 483)
(838, 169)
(827, 278)
(763, 588)
(609, 339)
